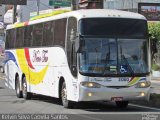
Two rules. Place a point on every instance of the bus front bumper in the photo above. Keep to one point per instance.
(114, 94)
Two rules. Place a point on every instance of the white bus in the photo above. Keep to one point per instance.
(83, 55)
(2, 47)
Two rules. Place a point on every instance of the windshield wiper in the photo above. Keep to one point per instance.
(128, 65)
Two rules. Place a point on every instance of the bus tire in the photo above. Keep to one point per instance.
(17, 86)
(66, 103)
(122, 104)
(26, 95)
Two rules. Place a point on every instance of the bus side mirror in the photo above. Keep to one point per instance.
(74, 70)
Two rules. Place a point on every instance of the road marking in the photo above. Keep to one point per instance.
(141, 106)
(128, 113)
(114, 113)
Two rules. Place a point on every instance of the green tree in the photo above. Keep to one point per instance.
(154, 36)
(154, 30)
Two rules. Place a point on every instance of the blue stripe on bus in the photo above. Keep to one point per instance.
(10, 56)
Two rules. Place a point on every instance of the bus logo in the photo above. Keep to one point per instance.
(40, 56)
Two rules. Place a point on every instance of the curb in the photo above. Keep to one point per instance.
(153, 102)
(155, 78)
(156, 82)
(2, 76)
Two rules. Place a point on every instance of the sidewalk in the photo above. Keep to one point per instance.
(2, 77)
(155, 84)
(155, 80)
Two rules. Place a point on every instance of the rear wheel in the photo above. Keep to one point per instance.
(122, 104)
(18, 91)
(26, 95)
(66, 103)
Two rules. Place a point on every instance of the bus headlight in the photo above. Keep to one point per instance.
(143, 84)
(90, 84)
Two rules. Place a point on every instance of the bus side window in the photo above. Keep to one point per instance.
(37, 35)
(12, 38)
(28, 36)
(48, 31)
(19, 38)
(70, 48)
(7, 39)
(60, 32)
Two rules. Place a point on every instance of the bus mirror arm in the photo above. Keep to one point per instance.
(77, 45)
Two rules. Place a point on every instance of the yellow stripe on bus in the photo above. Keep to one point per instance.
(134, 81)
(18, 25)
(56, 12)
(32, 76)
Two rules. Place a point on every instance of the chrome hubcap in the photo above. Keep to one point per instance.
(24, 89)
(17, 88)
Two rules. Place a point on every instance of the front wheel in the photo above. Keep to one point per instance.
(122, 104)
(66, 103)
(26, 95)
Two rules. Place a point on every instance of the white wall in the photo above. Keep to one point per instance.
(125, 4)
(8, 17)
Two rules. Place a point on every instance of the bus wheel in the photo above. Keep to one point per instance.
(26, 95)
(66, 103)
(18, 91)
(122, 104)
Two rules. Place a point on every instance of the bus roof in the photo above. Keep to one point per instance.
(83, 13)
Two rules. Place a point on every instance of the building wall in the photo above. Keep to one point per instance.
(2, 12)
(130, 5)
(23, 11)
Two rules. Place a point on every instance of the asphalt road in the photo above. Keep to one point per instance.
(19, 108)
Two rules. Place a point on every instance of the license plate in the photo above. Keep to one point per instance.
(116, 98)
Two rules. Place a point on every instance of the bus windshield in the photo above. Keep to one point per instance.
(108, 56)
(109, 51)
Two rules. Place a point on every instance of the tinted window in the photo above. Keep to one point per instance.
(60, 32)
(71, 29)
(114, 27)
(28, 36)
(19, 37)
(48, 31)
(44, 34)
(37, 35)
(7, 39)
(11, 38)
